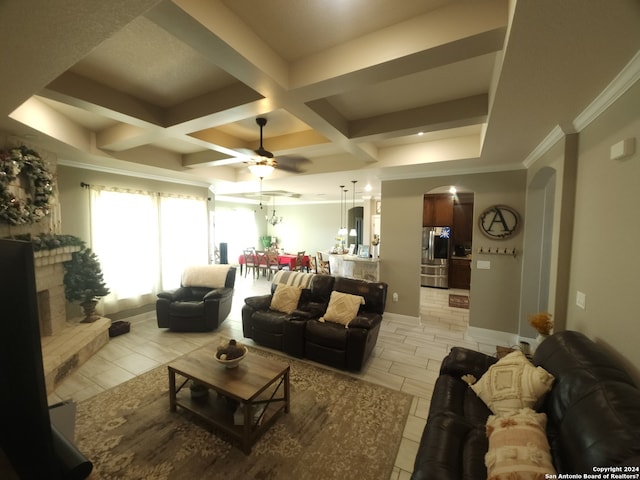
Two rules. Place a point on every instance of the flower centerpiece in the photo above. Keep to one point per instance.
(543, 323)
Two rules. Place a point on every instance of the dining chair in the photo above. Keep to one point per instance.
(313, 264)
(323, 266)
(300, 262)
(262, 263)
(250, 262)
(273, 264)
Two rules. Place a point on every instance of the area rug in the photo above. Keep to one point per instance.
(338, 427)
(458, 301)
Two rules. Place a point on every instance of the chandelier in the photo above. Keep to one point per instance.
(273, 219)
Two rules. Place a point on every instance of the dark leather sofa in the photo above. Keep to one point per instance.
(195, 308)
(301, 334)
(593, 412)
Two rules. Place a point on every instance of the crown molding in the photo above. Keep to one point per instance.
(549, 141)
(627, 77)
(129, 173)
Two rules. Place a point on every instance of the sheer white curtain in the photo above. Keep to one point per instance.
(144, 241)
(183, 237)
(236, 227)
(124, 235)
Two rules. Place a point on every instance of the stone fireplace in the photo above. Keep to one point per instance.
(50, 288)
(65, 345)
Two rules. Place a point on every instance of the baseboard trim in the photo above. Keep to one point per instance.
(403, 318)
(484, 335)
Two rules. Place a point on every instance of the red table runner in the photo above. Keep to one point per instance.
(285, 259)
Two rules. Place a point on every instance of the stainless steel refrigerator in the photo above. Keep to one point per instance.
(434, 269)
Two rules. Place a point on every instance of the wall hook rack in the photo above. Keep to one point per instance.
(498, 251)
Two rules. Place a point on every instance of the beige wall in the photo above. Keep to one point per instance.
(559, 163)
(495, 292)
(74, 200)
(605, 263)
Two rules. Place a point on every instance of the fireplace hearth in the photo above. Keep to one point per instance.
(66, 345)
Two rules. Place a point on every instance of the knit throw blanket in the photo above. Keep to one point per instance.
(298, 279)
(212, 276)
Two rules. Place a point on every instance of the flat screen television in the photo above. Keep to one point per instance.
(25, 428)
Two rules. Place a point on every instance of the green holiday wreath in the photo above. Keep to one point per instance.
(25, 166)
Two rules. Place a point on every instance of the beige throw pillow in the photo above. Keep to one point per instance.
(512, 383)
(518, 446)
(343, 307)
(285, 298)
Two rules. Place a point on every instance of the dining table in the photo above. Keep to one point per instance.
(284, 259)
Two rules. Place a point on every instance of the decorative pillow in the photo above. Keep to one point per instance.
(518, 446)
(512, 383)
(212, 276)
(343, 307)
(285, 298)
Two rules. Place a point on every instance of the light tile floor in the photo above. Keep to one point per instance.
(407, 355)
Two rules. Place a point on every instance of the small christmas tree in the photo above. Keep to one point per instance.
(83, 280)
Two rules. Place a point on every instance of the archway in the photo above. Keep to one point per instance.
(536, 259)
(447, 220)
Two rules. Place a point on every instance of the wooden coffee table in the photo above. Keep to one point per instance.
(254, 383)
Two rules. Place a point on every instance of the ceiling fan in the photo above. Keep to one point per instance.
(264, 158)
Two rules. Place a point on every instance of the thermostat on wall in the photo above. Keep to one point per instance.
(623, 148)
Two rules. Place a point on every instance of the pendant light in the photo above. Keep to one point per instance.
(273, 219)
(353, 232)
(342, 230)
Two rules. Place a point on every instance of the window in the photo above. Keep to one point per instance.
(237, 228)
(144, 241)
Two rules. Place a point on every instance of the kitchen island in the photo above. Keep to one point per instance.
(354, 267)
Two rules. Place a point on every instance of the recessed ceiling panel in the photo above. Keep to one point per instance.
(279, 122)
(456, 80)
(85, 118)
(146, 62)
(295, 28)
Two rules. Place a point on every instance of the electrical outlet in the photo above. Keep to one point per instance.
(581, 300)
(395, 296)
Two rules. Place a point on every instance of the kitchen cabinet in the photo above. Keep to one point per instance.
(437, 210)
(460, 273)
(462, 231)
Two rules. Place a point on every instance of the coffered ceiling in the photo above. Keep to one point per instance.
(351, 89)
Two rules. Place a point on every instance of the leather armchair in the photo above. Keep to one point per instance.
(348, 348)
(196, 308)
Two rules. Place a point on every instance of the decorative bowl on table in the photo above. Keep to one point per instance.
(230, 355)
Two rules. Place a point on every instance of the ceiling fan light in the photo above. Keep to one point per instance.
(261, 170)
